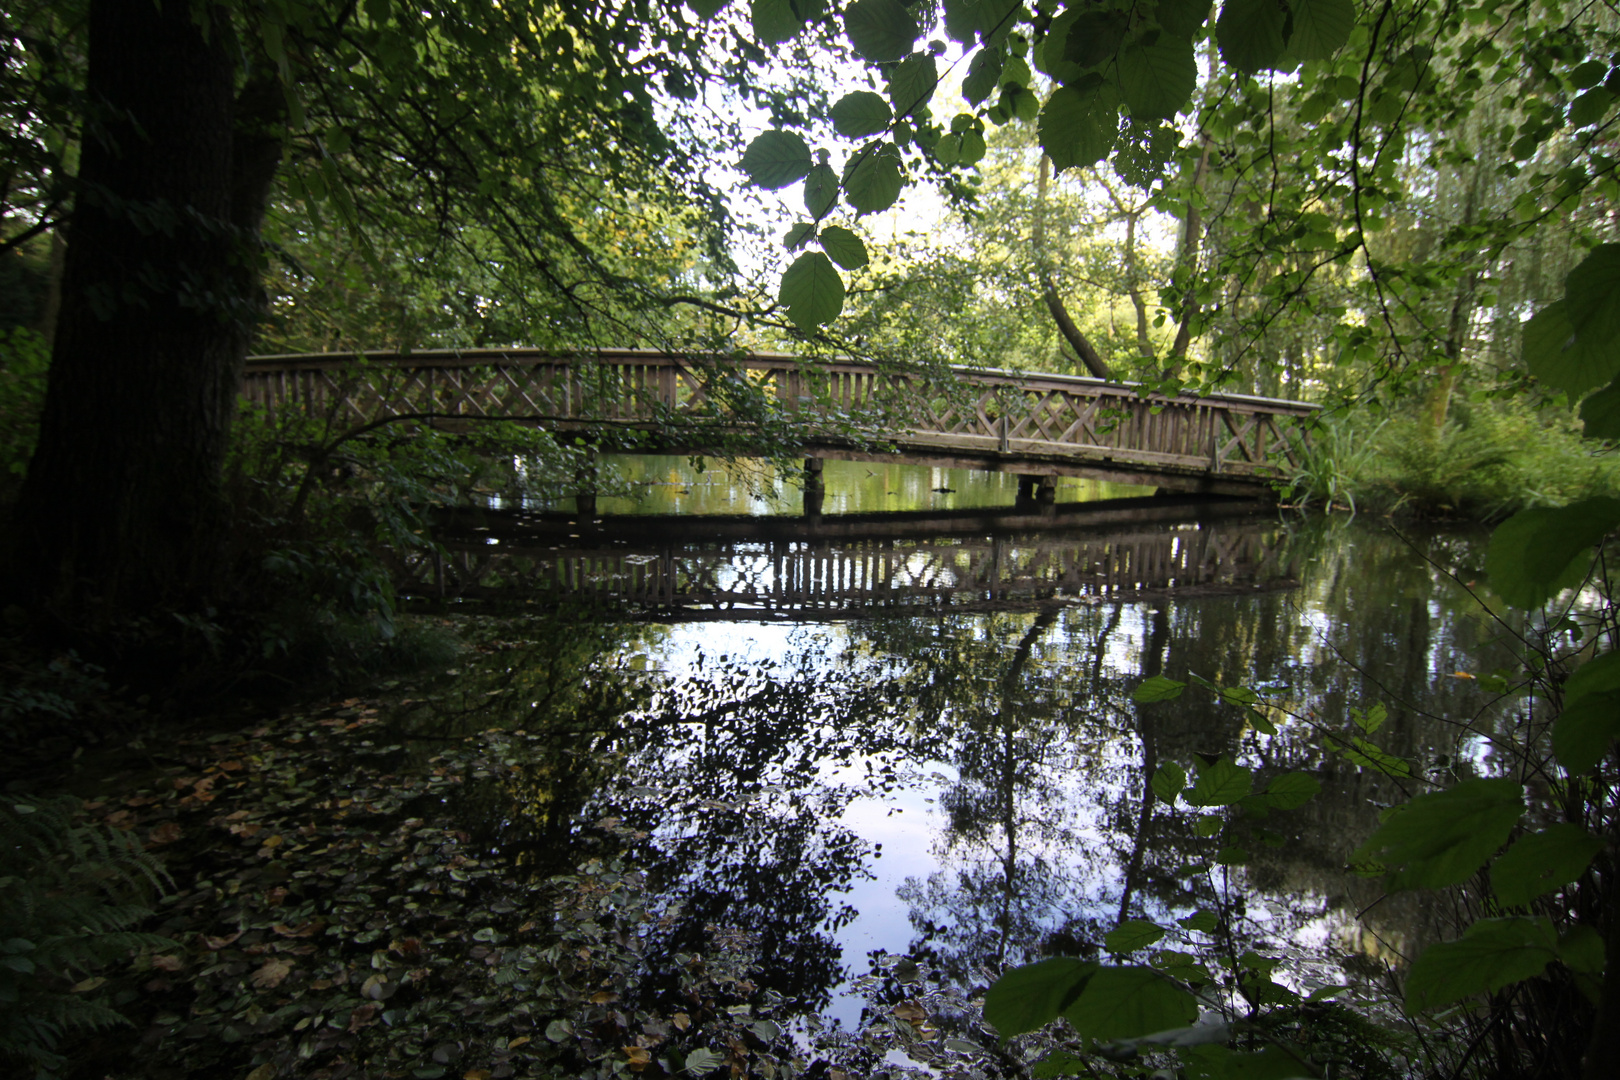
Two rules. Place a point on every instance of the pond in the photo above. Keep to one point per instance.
(783, 794)
(943, 782)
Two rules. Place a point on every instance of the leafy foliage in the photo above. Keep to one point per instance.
(71, 894)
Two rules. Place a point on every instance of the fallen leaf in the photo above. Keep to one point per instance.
(84, 986)
(681, 1020)
(910, 1012)
(168, 963)
(272, 974)
(214, 944)
(604, 997)
(309, 929)
(475, 1074)
(264, 1072)
(517, 1042)
(364, 1016)
(640, 1057)
(166, 833)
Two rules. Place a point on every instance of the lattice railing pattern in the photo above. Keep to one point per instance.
(855, 575)
(984, 412)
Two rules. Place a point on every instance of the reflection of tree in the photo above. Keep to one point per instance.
(1007, 815)
(728, 777)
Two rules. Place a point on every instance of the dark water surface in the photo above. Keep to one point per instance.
(936, 756)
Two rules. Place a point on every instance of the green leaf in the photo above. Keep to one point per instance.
(1094, 38)
(1168, 781)
(1208, 825)
(812, 291)
(820, 191)
(701, 1062)
(1590, 107)
(844, 247)
(707, 9)
(776, 159)
(860, 115)
(1078, 129)
(997, 19)
(1239, 695)
(961, 148)
(880, 30)
(1592, 294)
(1582, 950)
(1372, 719)
(776, 21)
(1584, 731)
(1599, 675)
(1541, 862)
(1321, 28)
(872, 178)
(1202, 921)
(1535, 554)
(1030, 997)
(1491, 954)
(1221, 784)
(1214, 1061)
(912, 83)
(797, 235)
(1157, 688)
(1250, 34)
(962, 20)
(983, 75)
(1556, 356)
(1124, 1002)
(1132, 935)
(1232, 855)
(1440, 839)
(1601, 413)
(1183, 18)
(1156, 79)
(1291, 790)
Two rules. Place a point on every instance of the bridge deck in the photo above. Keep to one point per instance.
(996, 420)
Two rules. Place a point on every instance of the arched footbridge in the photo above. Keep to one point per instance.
(1036, 425)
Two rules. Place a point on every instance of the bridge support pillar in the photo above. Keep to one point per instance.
(815, 488)
(1038, 489)
(585, 486)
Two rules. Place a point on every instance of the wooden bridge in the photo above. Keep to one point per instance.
(693, 568)
(1040, 426)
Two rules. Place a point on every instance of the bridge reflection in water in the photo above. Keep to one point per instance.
(686, 568)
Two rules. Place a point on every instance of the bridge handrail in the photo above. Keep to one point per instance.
(483, 357)
(1007, 419)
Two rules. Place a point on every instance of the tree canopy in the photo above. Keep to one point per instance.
(1363, 196)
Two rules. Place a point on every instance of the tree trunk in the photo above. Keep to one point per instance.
(122, 508)
(1192, 236)
(1049, 293)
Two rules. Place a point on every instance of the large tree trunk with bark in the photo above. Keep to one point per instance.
(122, 508)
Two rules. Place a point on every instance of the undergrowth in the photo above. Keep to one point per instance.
(71, 896)
(1490, 460)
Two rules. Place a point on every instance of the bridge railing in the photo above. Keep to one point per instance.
(984, 412)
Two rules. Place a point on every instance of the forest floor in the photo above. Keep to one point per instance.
(332, 917)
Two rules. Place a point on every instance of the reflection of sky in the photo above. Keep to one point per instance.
(1093, 759)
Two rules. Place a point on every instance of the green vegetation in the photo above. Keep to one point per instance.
(71, 893)
(1401, 210)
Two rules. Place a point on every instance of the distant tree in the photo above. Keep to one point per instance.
(521, 131)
